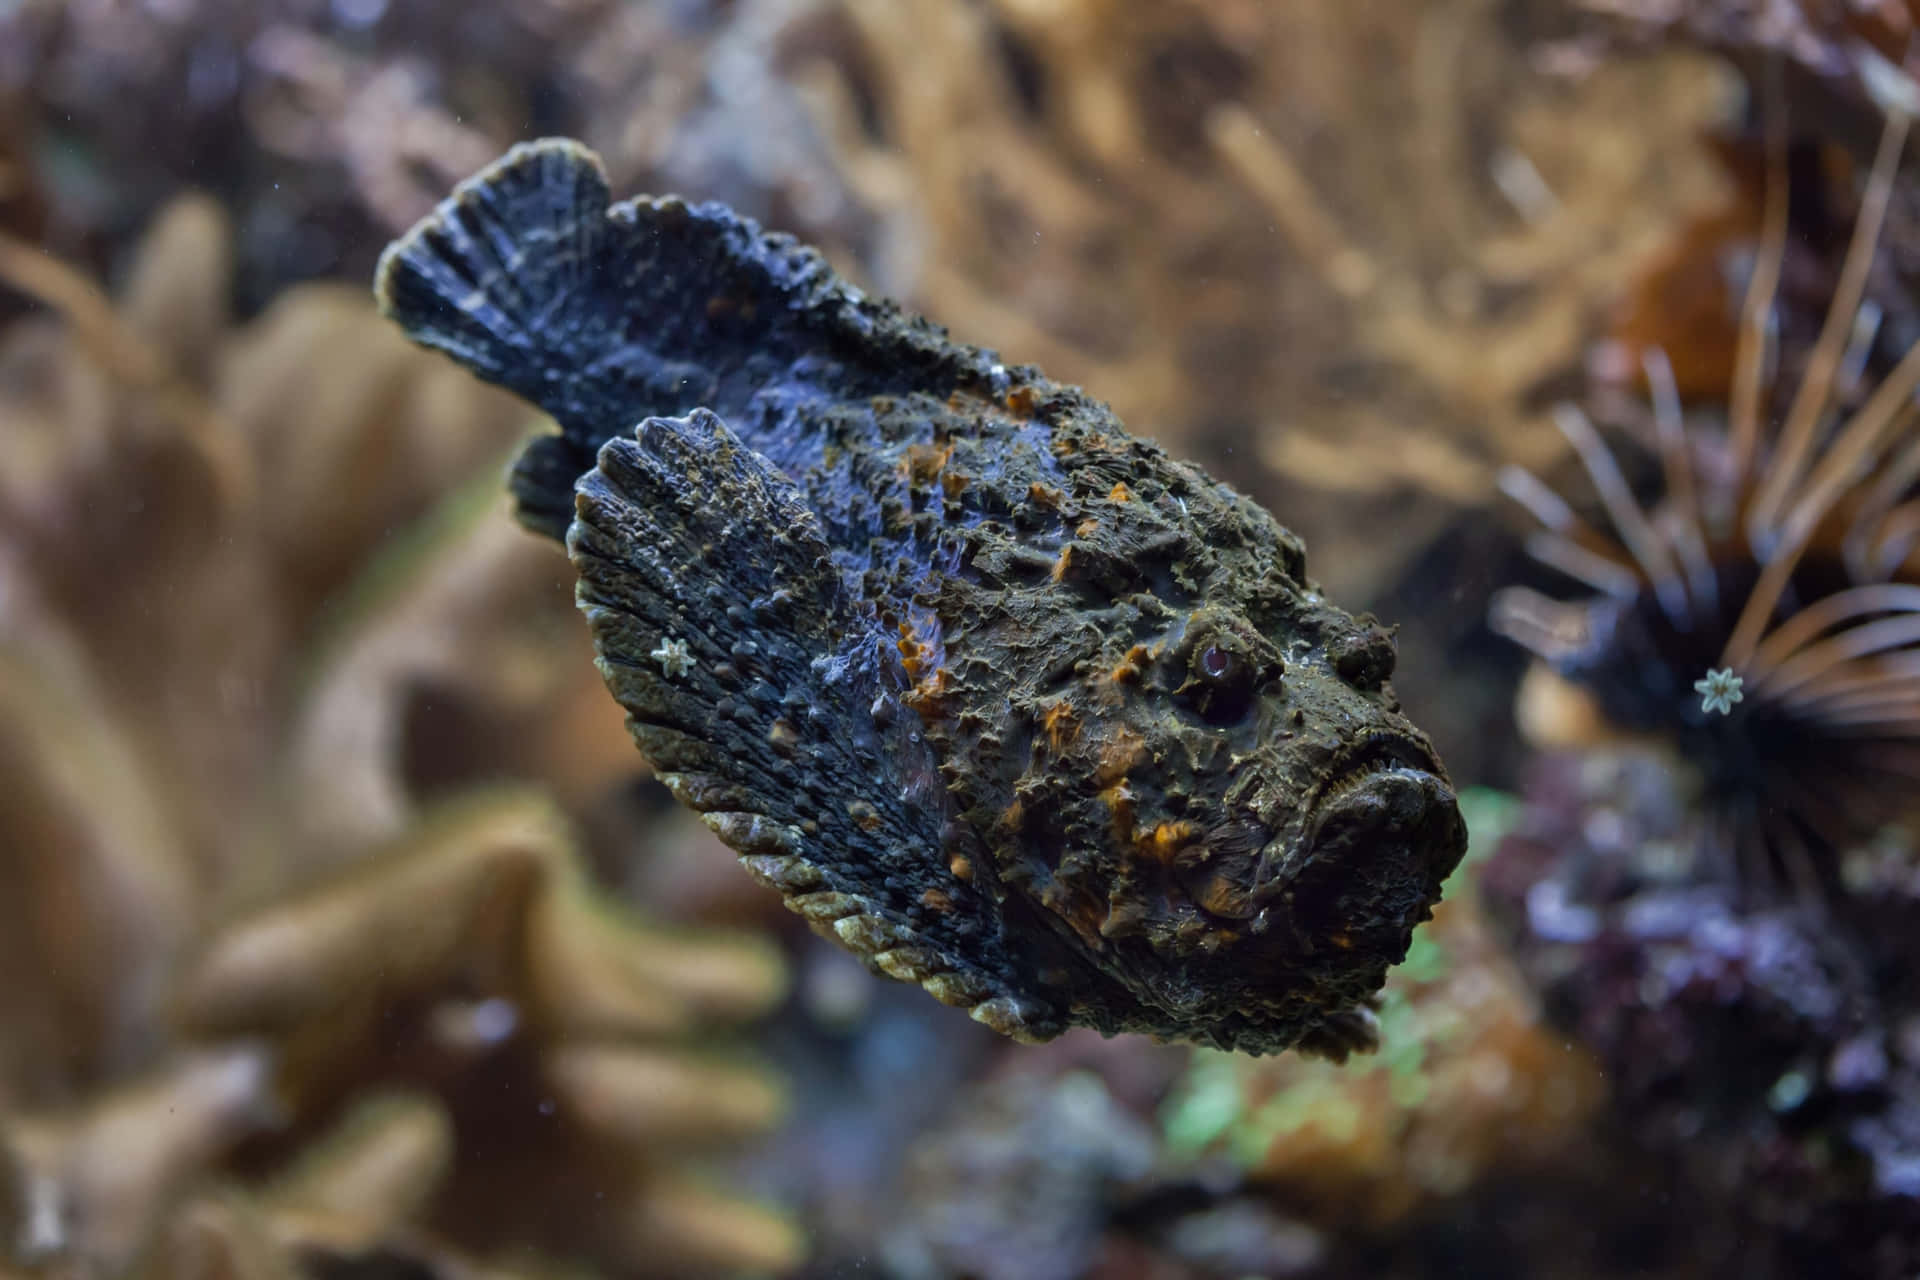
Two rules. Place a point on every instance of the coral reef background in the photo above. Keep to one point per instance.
(340, 928)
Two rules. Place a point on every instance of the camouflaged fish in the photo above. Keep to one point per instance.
(1006, 700)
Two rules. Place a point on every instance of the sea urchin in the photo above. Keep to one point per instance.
(1774, 574)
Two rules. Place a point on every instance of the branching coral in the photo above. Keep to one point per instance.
(1162, 205)
(282, 986)
(1202, 209)
(498, 1071)
(1198, 207)
(1863, 51)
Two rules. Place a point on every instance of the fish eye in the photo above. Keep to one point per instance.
(1220, 682)
(1216, 664)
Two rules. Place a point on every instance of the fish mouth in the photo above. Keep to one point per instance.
(1375, 843)
(1365, 760)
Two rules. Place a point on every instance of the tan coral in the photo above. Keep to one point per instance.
(278, 982)
(1200, 210)
(1197, 208)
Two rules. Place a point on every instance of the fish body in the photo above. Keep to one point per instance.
(1003, 698)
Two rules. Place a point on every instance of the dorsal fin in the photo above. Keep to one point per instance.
(604, 316)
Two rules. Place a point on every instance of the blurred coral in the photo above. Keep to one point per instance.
(1767, 1051)
(1838, 70)
(325, 128)
(1199, 208)
(1118, 220)
(1049, 1170)
(251, 661)
(1196, 207)
(289, 976)
(1718, 899)
(1024, 1189)
(1469, 1086)
(1862, 51)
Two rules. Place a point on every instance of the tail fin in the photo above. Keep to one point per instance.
(651, 308)
(497, 276)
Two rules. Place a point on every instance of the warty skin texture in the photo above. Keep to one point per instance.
(1006, 700)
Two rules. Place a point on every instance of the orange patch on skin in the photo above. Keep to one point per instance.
(1059, 725)
(1081, 913)
(1168, 838)
(1119, 754)
(1022, 401)
(1119, 802)
(929, 693)
(961, 867)
(1120, 492)
(1065, 445)
(911, 650)
(1342, 941)
(1089, 918)
(1060, 565)
(1046, 497)
(1214, 939)
(937, 900)
(931, 682)
(1131, 667)
(1014, 816)
(1086, 528)
(954, 483)
(917, 657)
(922, 462)
(1222, 897)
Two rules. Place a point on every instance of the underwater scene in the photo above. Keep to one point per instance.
(959, 639)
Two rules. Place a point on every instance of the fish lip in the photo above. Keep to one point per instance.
(1378, 752)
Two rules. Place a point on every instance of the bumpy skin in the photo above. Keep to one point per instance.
(1008, 701)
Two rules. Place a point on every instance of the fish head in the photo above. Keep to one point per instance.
(1240, 828)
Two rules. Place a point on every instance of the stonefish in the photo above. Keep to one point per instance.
(1003, 698)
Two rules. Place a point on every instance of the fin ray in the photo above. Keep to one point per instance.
(605, 316)
(747, 673)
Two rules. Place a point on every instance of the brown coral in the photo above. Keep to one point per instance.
(1159, 208)
(275, 993)
(1861, 50)
(1199, 208)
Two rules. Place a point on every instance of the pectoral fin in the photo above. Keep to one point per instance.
(750, 676)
